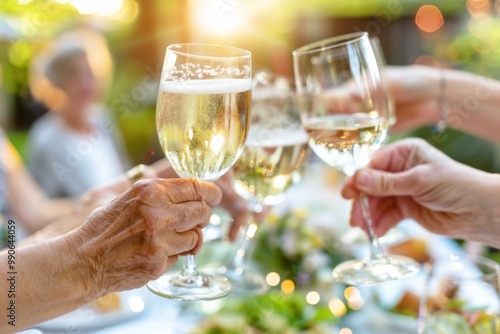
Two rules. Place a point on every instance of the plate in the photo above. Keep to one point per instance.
(87, 318)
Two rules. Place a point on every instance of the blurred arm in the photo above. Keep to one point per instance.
(471, 100)
(25, 198)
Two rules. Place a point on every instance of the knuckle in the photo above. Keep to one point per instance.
(153, 270)
(144, 186)
(196, 185)
(386, 184)
(194, 237)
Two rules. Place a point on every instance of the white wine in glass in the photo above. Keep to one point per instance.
(346, 112)
(202, 120)
(271, 162)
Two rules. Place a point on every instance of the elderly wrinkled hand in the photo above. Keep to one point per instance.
(139, 235)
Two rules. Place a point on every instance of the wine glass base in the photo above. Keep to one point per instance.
(204, 286)
(245, 283)
(375, 270)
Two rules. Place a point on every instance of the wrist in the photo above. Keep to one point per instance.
(487, 222)
(442, 102)
(436, 91)
(81, 258)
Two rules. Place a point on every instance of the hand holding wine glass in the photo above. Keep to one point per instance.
(345, 111)
(202, 119)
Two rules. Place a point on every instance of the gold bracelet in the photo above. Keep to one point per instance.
(135, 173)
(443, 103)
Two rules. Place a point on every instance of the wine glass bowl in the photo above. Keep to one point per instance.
(202, 120)
(203, 108)
(276, 142)
(342, 100)
(346, 113)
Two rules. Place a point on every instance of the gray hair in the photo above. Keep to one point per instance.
(58, 67)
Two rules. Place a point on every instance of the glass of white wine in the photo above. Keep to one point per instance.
(396, 235)
(202, 120)
(346, 113)
(271, 162)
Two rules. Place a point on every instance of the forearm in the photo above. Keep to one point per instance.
(472, 104)
(58, 227)
(28, 203)
(45, 284)
(486, 223)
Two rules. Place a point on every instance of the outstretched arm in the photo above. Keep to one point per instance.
(471, 100)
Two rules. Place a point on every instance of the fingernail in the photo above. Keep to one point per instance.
(364, 178)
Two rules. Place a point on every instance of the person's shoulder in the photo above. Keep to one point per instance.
(100, 111)
(45, 128)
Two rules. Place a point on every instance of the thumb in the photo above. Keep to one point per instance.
(379, 183)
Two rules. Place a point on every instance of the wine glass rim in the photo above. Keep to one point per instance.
(330, 43)
(181, 50)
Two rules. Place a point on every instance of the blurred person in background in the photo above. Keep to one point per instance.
(76, 145)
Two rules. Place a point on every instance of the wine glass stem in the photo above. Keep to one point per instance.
(375, 248)
(245, 244)
(190, 268)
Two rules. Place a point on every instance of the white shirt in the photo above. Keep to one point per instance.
(67, 163)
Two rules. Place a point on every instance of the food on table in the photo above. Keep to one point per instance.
(417, 249)
(408, 304)
(447, 313)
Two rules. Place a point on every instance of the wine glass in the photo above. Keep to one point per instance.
(462, 296)
(395, 235)
(202, 120)
(344, 108)
(270, 163)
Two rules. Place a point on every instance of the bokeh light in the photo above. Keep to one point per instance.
(345, 331)
(478, 8)
(356, 304)
(354, 298)
(252, 229)
(128, 12)
(351, 293)
(481, 28)
(219, 17)
(273, 279)
(97, 7)
(429, 18)
(136, 304)
(288, 286)
(312, 298)
(337, 307)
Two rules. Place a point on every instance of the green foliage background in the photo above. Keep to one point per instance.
(475, 48)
